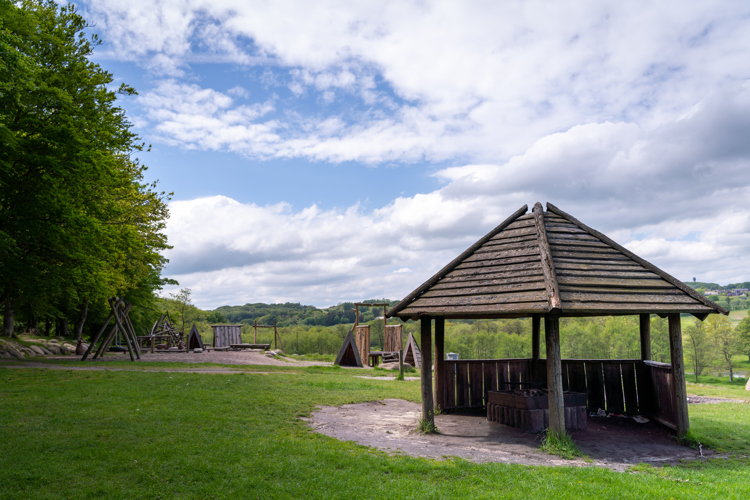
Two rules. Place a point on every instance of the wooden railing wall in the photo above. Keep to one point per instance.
(624, 386)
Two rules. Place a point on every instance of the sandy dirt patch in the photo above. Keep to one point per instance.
(220, 357)
(615, 443)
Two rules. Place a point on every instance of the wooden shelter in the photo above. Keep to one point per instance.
(547, 265)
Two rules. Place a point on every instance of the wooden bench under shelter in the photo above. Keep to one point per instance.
(547, 265)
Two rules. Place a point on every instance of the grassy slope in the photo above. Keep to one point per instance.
(170, 435)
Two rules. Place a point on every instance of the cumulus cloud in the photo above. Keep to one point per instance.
(672, 194)
(481, 80)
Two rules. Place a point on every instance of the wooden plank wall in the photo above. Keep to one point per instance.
(393, 340)
(224, 335)
(624, 386)
(467, 381)
(660, 391)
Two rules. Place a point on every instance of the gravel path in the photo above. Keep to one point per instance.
(220, 357)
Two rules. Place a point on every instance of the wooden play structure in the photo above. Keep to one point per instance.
(226, 335)
(236, 343)
(547, 265)
(358, 340)
(119, 311)
(412, 354)
(163, 335)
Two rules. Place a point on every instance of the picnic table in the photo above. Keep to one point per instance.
(388, 356)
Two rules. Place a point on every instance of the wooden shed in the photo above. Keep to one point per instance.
(225, 335)
(547, 265)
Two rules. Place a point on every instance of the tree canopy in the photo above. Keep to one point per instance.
(77, 222)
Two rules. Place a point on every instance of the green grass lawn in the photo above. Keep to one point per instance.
(135, 434)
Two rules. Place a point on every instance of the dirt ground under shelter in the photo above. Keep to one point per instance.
(389, 425)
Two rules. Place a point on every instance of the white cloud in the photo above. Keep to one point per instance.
(673, 194)
(484, 80)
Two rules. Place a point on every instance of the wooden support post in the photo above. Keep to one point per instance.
(385, 324)
(439, 360)
(536, 323)
(96, 337)
(645, 337)
(401, 364)
(105, 343)
(428, 409)
(153, 341)
(255, 332)
(678, 374)
(554, 375)
(115, 305)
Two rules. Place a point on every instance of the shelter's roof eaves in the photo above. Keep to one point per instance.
(549, 262)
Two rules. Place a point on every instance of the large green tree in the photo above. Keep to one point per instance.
(77, 223)
(726, 340)
(743, 330)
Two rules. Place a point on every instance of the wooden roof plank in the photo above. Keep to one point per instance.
(593, 281)
(506, 298)
(502, 254)
(525, 308)
(513, 233)
(509, 261)
(590, 255)
(667, 277)
(624, 308)
(484, 290)
(523, 266)
(445, 284)
(632, 298)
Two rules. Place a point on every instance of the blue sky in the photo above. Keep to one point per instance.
(329, 151)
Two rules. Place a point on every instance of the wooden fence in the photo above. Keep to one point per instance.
(625, 386)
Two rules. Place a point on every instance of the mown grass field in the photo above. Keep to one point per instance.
(135, 434)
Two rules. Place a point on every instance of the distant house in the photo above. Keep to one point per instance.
(712, 292)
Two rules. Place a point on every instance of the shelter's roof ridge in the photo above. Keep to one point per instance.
(549, 262)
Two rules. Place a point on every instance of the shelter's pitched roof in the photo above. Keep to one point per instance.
(549, 262)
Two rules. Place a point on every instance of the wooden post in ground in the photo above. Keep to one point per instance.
(554, 375)
(678, 374)
(401, 364)
(153, 341)
(439, 360)
(96, 337)
(645, 337)
(255, 332)
(536, 323)
(428, 408)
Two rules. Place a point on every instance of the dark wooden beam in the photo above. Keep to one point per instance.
(439, 361)
(428, 408)
(678, 374)
(548, 267)
(554, 375)
(536, 321)
(455, 262)
(645, 337)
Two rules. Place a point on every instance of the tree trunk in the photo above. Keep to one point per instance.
(81, 320)
(47, 327)
(61, 328)
(8, 319)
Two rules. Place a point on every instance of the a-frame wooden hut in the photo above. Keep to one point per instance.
(548, 265)
(412, 354)
(349, 353)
